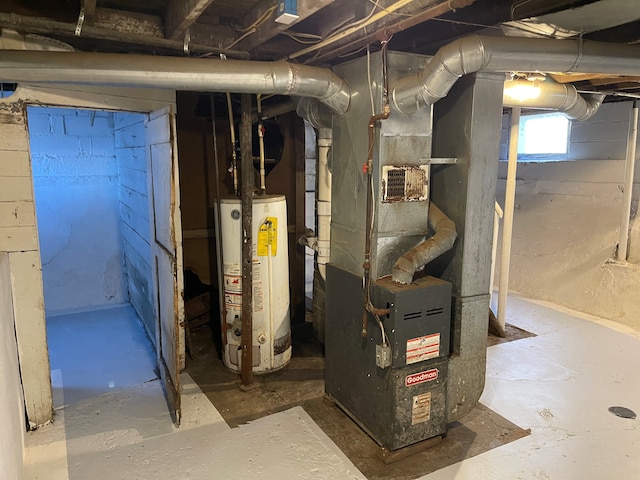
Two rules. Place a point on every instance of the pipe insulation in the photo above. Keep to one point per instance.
(416, 258)
(506, 54)
(192, 74)
(549, 95)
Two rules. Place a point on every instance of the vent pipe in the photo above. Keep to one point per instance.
(505, 54)
(416, 258)
(192, 74)
(549, 95)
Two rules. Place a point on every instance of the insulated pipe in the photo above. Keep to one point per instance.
(507, 228)
(192, 74)
(416, 258)
(628, 183)
(324, 200)
(506, 54)
(549, 95)
(320, 118)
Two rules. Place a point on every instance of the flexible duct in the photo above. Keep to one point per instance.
(193, 74)
(549, 95)
(416, 258)
(505, 54)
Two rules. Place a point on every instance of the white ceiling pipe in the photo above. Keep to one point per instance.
(179, 73)
(549, 95)
(506, 54)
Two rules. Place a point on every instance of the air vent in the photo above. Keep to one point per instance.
(405, 183)
(434, 311)
(412, 316)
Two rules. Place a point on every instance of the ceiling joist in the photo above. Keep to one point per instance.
(270, 28)
(89, 8)
(181, 14)
(125, 29)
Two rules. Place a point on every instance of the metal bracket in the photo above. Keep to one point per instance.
(80, 22)
(440, 161)
(187, 41)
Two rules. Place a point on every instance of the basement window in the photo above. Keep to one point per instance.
(7, 89)
(543, 137)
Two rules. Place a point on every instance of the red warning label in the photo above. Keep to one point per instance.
(421, 377)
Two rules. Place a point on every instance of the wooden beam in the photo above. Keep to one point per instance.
(578, 77)
(247, 170)
(354, 39)
(181, 14)
(128, 31)
(270, 28)
(89, 7)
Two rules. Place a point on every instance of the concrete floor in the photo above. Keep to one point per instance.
(558, 383)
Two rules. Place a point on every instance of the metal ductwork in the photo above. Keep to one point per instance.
(416, 258)
(504, 54)
(549, 95)
(192, 74)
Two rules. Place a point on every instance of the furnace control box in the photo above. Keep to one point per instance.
(405, 403)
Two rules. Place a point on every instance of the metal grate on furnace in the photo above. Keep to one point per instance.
(405, 183)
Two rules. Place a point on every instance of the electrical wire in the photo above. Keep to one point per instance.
(298, 37)
(253, 28)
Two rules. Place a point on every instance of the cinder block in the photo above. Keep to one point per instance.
(14, 164)
(58, 145)
(102, 146)
(39, 123)
(18, 239)
(14, 137)
(88, 125)
(17, 214)
(15, 189)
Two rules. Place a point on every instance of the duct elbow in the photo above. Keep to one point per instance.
(587, 108)
(442, 241)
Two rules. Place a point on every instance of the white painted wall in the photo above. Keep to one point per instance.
(602, 137)
(76, 188)
(18, 237)
(18, 234)
(11, 401)
(134, 210)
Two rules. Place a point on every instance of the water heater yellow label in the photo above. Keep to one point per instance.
(268, 237)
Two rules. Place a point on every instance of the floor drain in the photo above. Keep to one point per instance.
(623, 412)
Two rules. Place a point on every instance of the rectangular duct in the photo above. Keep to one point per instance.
(400, 178)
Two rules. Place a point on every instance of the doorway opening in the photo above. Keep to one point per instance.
(95, 222)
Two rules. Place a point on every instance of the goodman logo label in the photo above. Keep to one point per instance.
(421, 377)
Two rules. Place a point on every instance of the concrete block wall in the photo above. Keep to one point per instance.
(19, 239)
(602, 137)
(130, 148)
(76, 188)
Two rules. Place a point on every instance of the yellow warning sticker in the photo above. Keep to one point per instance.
(268, 237)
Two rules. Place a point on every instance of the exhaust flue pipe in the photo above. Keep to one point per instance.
(506, 54)
(192, 74)
(549, 95)
(416, 258)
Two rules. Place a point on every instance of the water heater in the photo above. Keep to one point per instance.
(271, 322)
